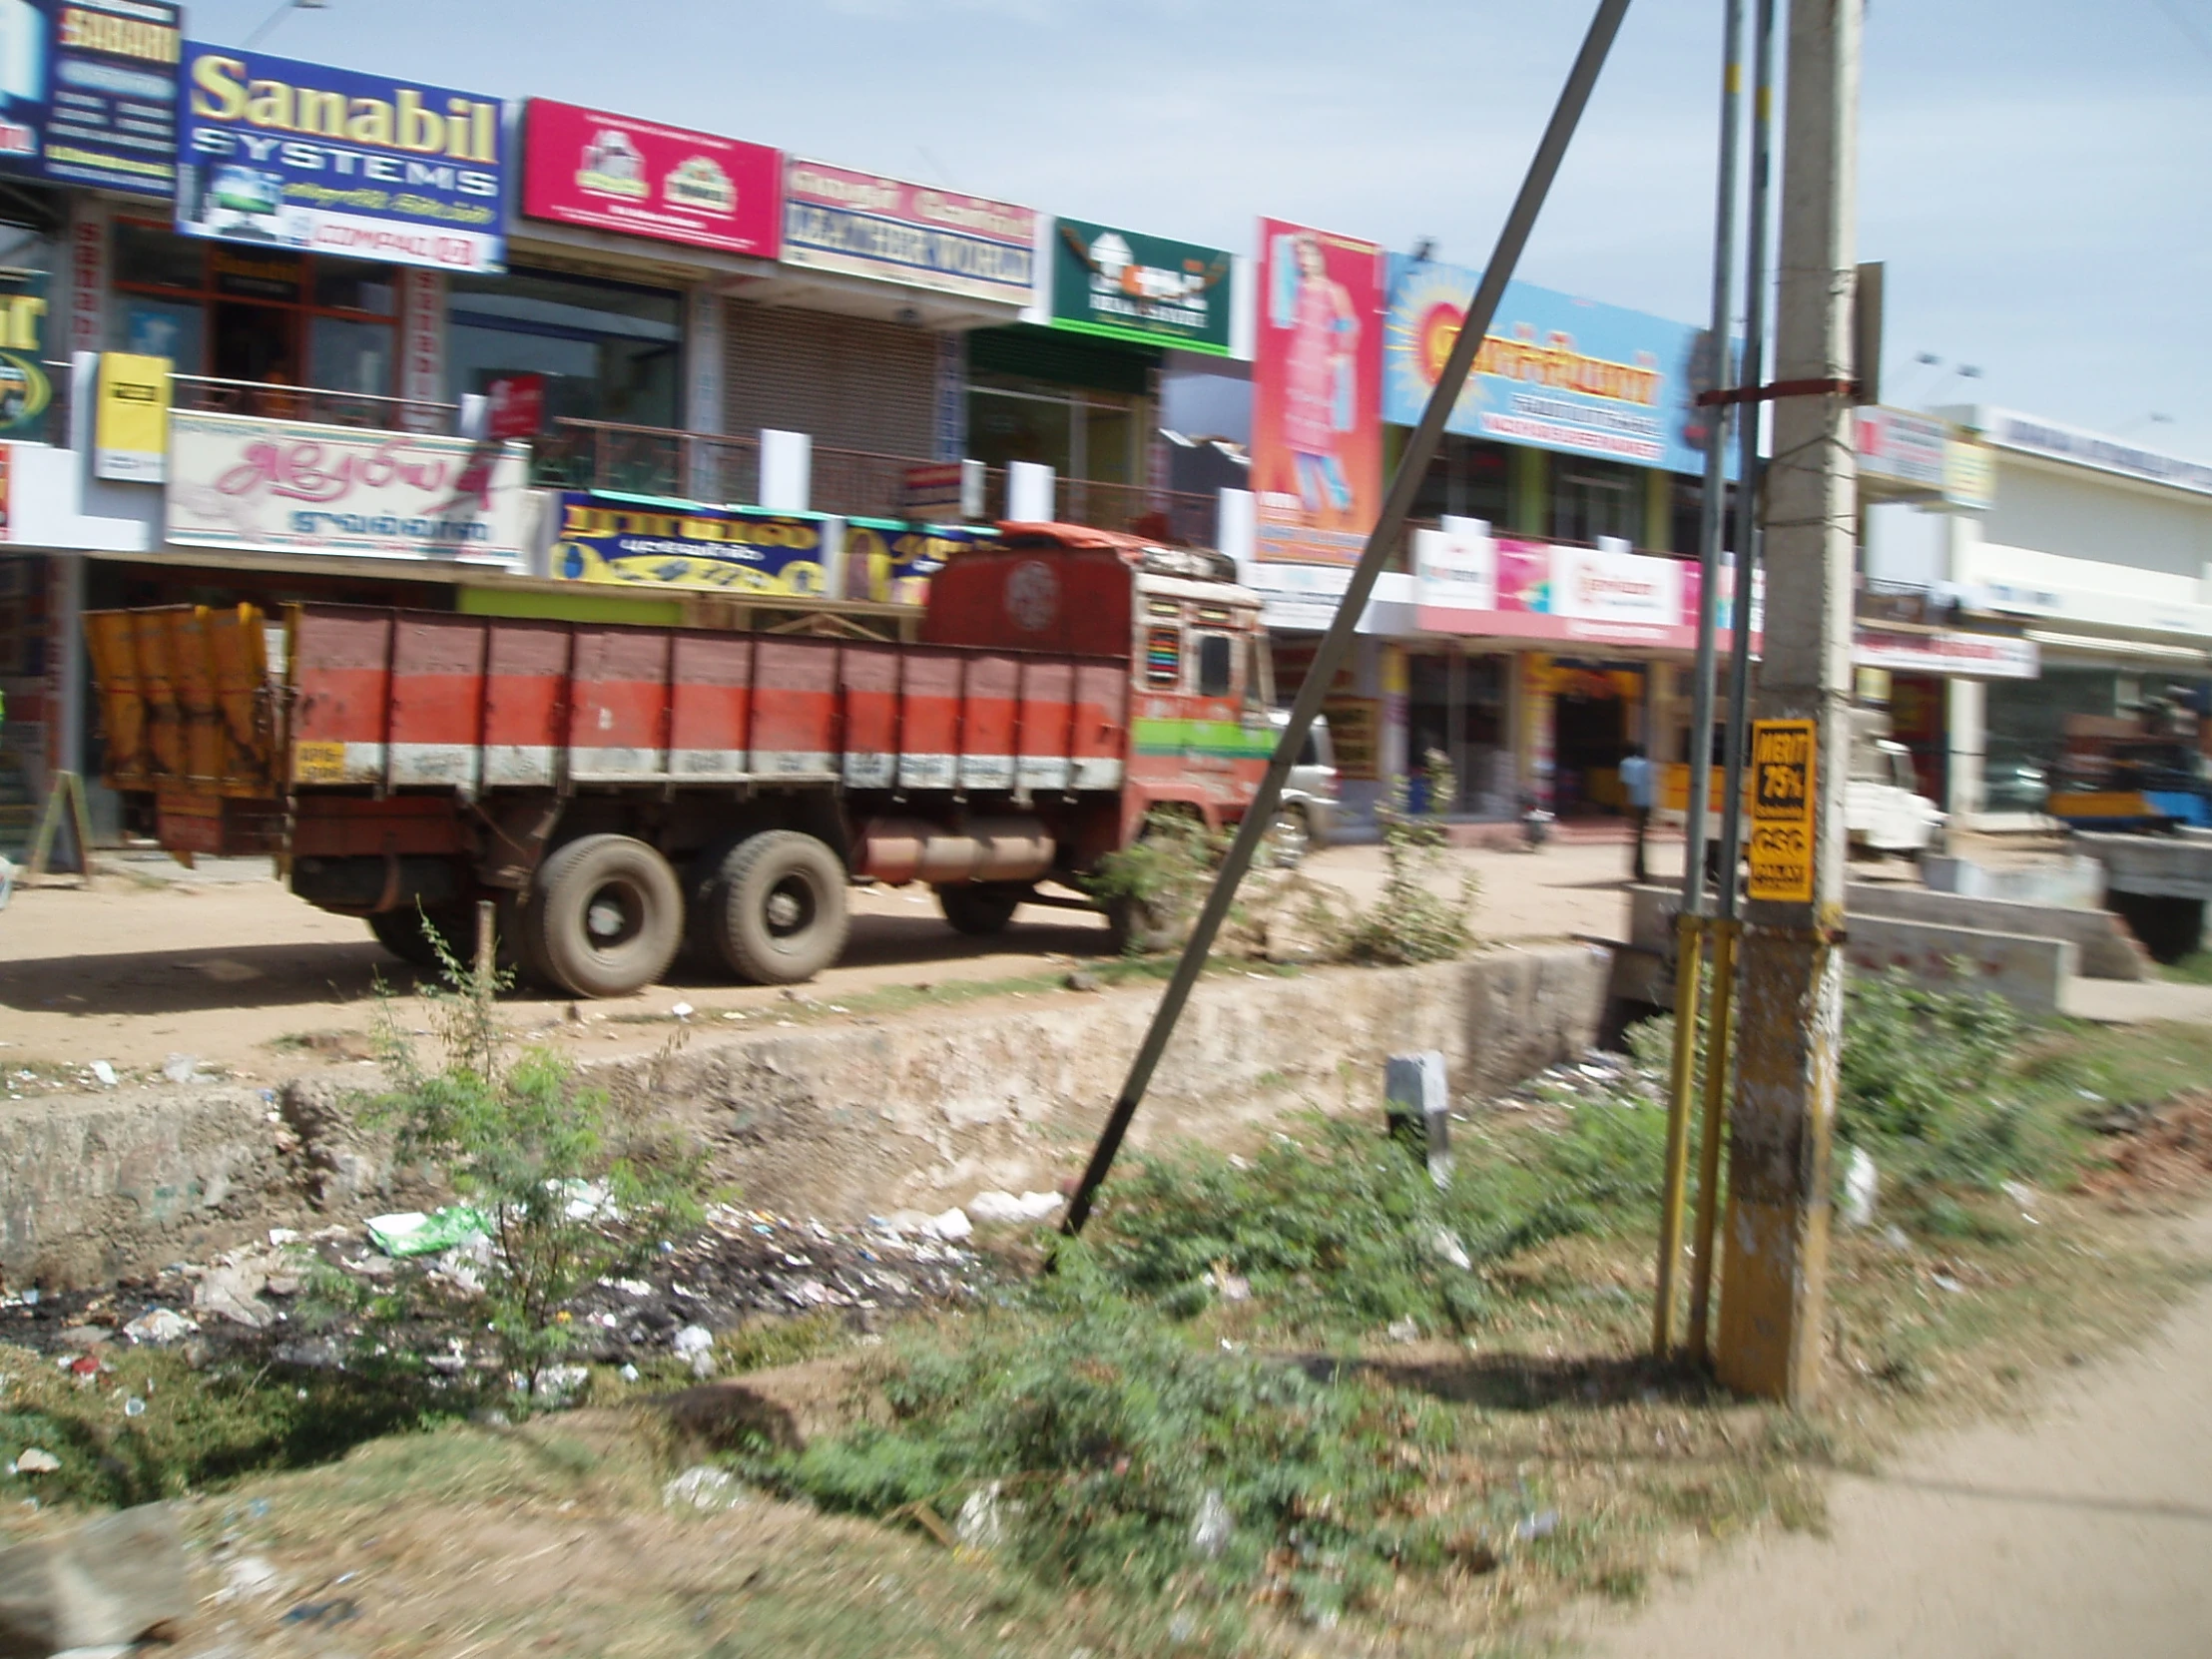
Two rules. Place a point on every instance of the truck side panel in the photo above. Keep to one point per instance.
(711, 703)
(794, 709)
(1101, 726)
(341, 680)
(1043, 748)
(990, 693)
(437, 703)
(618, 723)
(867, 677)
(525, 701)
(929, 719)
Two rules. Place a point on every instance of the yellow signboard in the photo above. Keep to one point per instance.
(1782, 795)
(130, 434)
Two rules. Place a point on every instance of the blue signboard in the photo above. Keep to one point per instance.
(88, 92)
(604, 537)
(299, 155)
(1555, 372)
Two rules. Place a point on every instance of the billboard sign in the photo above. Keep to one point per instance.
(1316, 434)
(1555, 372)
(890, 561)
(1902, 453)
(130, 427)
(1125, 285)
(867, 226)
(612, 172)
(288, 486)
(300, 155)
(1456, 568)
(88, 93)
(680, 544)
(26, 338)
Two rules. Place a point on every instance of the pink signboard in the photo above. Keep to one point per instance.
(1567, 596)
(610, 173)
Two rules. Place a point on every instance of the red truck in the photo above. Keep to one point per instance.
(624, 789)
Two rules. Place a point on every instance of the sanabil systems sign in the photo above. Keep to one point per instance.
(299, 155)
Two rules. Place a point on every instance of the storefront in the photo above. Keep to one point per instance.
(599, 347)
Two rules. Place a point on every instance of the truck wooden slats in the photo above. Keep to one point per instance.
(340, 669)
(618, 721)
(989, 710)
(867, 677)
(794, 692)
(711, 703)
(1100, 728)
(929, 719)
(526, 703)
(436, 733)
(1047, 702)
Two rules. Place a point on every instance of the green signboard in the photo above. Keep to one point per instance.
(1137, 287)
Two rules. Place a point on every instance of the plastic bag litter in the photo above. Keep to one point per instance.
(159, 1326)
(1000, 1205)
(411, 1232)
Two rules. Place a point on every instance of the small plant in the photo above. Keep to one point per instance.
(567, 1191)
(1153, 887)
(1412, 921)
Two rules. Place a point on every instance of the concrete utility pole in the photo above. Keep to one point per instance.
(1775, 1263)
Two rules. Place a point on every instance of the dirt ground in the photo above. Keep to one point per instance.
(225, 964)
(2083, 1531)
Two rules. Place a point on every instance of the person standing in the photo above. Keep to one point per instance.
(1636, 785)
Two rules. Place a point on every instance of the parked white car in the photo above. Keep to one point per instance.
(1884, 809)
(1306, 817)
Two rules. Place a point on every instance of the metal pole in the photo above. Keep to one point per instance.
(1413, 468)
(1720, 1028)
(1774, 1277)
(1689, 970)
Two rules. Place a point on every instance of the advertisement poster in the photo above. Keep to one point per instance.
(300, 155)
(131, 426)
(892, 561)
(611, 172)
(26, 392)
(1317, 435)
(1124, 286)
(88, 93)
(867, 226)
(613, 538)
(1555, 372)
(284, 486)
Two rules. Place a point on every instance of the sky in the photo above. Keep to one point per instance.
(2033, 172)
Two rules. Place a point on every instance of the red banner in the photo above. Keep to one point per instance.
(608, 171)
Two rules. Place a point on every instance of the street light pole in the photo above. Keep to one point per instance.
(1775, 1266)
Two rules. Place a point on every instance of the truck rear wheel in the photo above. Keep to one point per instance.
(407, 932)
(606, 918)
(981, 909)
(781, 912)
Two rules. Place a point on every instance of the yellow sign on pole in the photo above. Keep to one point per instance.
(1782, 809)
(131, 432)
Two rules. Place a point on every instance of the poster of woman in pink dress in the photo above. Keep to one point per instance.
(1317, 395)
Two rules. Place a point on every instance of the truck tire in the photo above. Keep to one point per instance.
(781, 907)
(406, 934)
(981, 909)
(1291, 836)
(606, 917)
(1141, 928)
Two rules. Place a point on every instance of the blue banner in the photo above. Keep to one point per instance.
(299, 155)
(1555, 372)
(892, 560)
(616, 538)
(88, 92)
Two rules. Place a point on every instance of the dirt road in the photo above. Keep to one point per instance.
(225, 964)
(2086, 1530)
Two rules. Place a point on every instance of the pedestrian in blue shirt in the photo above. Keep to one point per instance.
(1636, 785)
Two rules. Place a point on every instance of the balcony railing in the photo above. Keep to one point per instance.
(205, 393)
(646, 460)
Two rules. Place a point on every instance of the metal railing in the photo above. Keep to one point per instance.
(646, 460)
(202, 393)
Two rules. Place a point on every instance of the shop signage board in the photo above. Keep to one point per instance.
(1456, 569)
(1124, 285)
(605, 537)
(288, 486)
(890, 561)
(299, 155)
(1958, 655)
(131, 430)
(2071, 444)
(1782, 799)
(1555, 372)
(89, 93)
(26, 326)
(1903, 453)
(614, 173)
(864, 225)
(943, 490)
(514, 406)
(1316, 434)
(1574, 596)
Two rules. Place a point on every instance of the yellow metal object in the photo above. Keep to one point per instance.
(1719, 1036)
(1688, 991)
(2089, 803)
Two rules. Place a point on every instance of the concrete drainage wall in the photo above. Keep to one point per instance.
(836, 1121)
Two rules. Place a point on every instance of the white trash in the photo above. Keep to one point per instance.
(952, 1226)
(701, 1487)
(696, 1343)
(160, 1327)
(1002, 1206)
(1861, 1187)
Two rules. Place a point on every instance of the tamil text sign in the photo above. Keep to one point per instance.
(867, 226)
(1126, 285)
(1555, 372)
(612, 172)
(282, 486)
(299, 155)
(88, 93)
(680, 544)
(1317, 436)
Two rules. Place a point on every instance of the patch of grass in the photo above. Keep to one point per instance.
(2193, 970)
(772, 1340)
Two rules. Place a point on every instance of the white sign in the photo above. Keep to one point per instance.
(2071, 443)
(281, 486)
(1606, 584)
(1955, 656)
(1903, 447)
(1456, 567)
